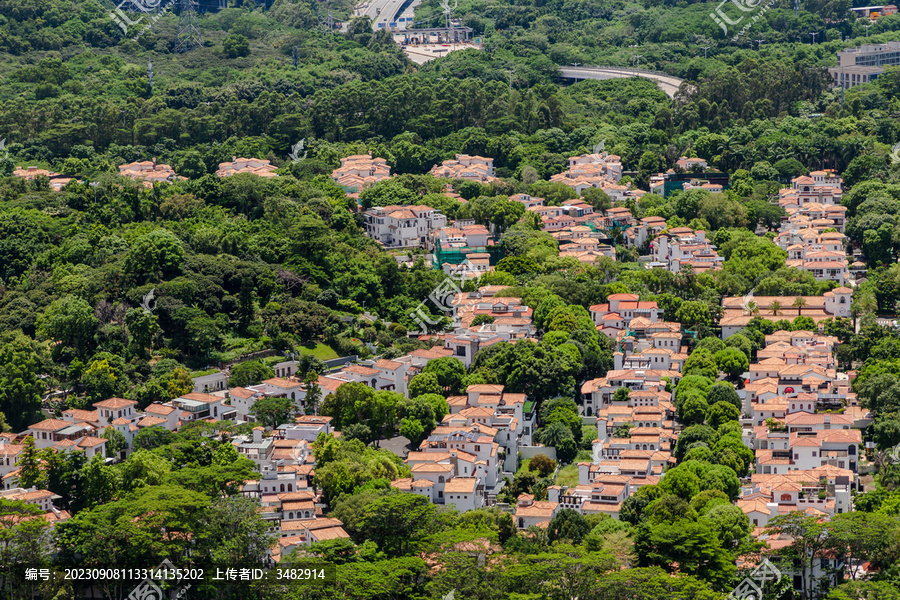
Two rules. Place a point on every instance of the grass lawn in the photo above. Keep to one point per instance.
(567, 476)
(320, 351)
(236, 346)
(202, 373)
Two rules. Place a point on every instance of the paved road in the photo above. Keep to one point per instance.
(379, 11)
(423, 53)
(666, 83)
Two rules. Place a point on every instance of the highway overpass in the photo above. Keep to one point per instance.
(666, 83)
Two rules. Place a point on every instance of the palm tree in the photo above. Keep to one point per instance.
(616, 233)
(890, 477)
(799, 303)
(554, 434)
(881, 460)
(775, 306)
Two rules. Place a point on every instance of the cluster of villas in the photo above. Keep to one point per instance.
(289, 503)
(738, 311)
(476, 168)
(802, 411)
(403, 226)
(798, 412)
(149, 172)
(461, 461)
(689, 173)
(817, 195)
(682, 246)
(596, 170)
(359, 171)
(798, 415)
(509, 320)
(56, 180)
(470, 244)
(811, 233)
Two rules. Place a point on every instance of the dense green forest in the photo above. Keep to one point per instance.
(72, 87)
(244, 264)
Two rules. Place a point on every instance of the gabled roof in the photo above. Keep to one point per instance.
(279, 382)
(115, 403)
(51, 425)
(388, 365)
(461, 485)
(160, 409)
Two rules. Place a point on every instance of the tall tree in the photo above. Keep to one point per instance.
(115, 442)
(396, 522)
(24, 537)
(272, 412)
(692, 546)
(20, 384)
(809, 542)
(31, 472)
(70, 320)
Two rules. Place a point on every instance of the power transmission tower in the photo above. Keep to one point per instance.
(326, 23)
(448, 14)
(150, 74)
(796, 8)
(189, 36)
(296, 57)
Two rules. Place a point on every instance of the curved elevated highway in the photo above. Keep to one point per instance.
(666, 83)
